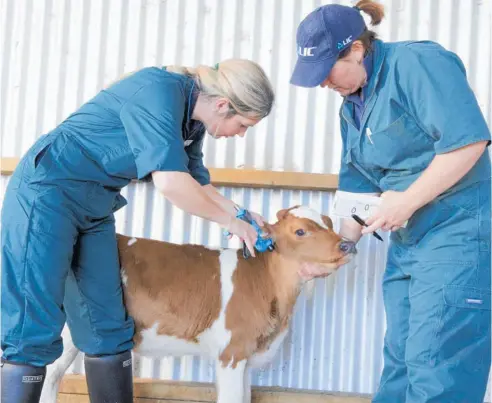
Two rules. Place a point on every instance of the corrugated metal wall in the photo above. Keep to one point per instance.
(58, 53)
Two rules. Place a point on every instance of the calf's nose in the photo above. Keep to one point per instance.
(347, 247)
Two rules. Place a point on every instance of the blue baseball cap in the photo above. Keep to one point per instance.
(320, 38)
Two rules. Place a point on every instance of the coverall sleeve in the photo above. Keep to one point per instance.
(435, 91)
(350, 179)
(152, 119)
(195, 164)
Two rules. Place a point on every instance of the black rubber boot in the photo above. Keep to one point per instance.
(21, 383)
(109, 378)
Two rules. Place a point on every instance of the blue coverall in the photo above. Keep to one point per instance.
(436, 285)
(59, 252)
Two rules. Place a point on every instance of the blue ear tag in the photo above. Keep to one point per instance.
(262, 243)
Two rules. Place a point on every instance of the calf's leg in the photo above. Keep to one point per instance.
(55, 371)
(247, 385)
(230, 382)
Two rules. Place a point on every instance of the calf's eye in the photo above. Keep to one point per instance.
(300, 232)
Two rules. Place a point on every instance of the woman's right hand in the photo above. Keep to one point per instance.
(245, 231)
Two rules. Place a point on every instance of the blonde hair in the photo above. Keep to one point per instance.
(242, 82)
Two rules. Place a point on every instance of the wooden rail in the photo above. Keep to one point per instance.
(73, 389)
(249, 178)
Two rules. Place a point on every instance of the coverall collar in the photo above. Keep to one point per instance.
(191, 127)
(379, 54)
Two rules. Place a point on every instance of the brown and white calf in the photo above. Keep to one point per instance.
(192, 300)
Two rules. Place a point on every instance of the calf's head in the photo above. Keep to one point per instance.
(304, 235)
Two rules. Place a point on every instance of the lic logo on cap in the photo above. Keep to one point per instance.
(305, 51)
(346, 41)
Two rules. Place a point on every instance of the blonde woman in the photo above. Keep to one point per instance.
(57, 216)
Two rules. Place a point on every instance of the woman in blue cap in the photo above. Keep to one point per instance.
(413, 132)
(59, 252)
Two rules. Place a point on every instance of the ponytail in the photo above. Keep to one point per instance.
(376, 12)
(373, 9)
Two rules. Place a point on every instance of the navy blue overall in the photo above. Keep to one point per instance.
(59, 252)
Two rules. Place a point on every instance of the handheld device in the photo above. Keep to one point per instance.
(262, 243)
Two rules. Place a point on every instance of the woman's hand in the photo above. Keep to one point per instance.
(258, 218)
(245, 232)
(395, 209)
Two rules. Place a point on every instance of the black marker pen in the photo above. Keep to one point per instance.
(362, 222)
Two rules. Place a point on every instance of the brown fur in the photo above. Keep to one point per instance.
(175, 285)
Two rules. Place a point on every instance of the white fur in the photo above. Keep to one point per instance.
(124, 277)
(309, 213)
(230, 383)
(247, 385)
(218, 337)
(154, 345)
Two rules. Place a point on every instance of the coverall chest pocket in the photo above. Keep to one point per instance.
(41, 158)
(401, 145)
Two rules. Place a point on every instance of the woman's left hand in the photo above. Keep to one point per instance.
(394, 210)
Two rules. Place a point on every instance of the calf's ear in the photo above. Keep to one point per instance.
(327, 221)
(281, 214)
